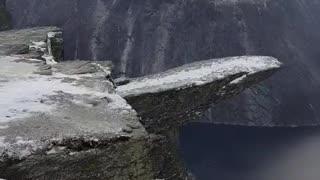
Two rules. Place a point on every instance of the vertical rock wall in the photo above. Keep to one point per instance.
(148, 36)
(4, 17)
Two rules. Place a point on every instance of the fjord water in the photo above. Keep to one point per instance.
(213, 152)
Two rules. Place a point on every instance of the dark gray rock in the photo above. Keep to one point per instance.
(47, 72)
(17, 49)
(5, 23)
(45, 67)
(77, 126)
(122, 81)
(84, 69)
(33, 43)
(34, 54)
(55, 45)
(174, 97)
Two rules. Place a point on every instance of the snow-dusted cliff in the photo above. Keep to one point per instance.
(67, 120)
(4, 16)
(149, 36)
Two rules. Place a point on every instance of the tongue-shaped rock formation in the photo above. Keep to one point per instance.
(171, 98)
(67, 121)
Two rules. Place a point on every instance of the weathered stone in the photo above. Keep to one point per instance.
(55, 44)
(77, 126)
(47, 72)
(88, 68)
(92, 138)
(45, 67)
(30, 61)
(33, 43)
(169, 99)
(150, 36)
(122, 81)
(17, 49)
(34, 54)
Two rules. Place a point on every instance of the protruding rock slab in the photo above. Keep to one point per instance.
(171, 98)
(66, 120)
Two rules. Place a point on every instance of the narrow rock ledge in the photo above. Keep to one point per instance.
(171, 98)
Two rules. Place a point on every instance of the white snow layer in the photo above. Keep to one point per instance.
(41, 45)
(199, 73)
(26, 147)
(21, 95)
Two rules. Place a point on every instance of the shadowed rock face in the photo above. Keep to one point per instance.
(149, 36)
(4, 17)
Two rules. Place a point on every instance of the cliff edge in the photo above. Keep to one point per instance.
(69, 120)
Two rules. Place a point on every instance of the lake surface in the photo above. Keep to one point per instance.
(213, 152)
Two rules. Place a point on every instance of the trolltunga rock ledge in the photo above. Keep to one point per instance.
(67, 120)
(175, 96)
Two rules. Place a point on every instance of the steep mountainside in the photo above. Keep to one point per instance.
(148, 36)
(4, 17)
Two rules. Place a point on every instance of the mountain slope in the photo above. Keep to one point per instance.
(148, 36)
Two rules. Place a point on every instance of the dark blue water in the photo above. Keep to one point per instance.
(246, 153)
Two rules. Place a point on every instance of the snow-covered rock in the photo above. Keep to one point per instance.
(44, 43)
(173, 97)
(65, 112)
(67, 120)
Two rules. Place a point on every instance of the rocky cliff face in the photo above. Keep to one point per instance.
(4, 17)
(68, 120)
(148, 36)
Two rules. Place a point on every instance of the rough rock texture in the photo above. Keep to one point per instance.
(71, 125)
(43, 43)
(176, 96)
(56, 45)
(149, 36)
(67, 121)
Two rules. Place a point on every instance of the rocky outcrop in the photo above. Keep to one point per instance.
(70, 118)
(43, 43)
(67, 121)
(174, 97)
(149, 36)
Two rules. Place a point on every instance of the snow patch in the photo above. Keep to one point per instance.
(40, 45)
(23, 93)
(49, 59)
(52, 34)
(9, 68)
(106, 70)
(20, 148)
(20, 98)
(239, 80)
